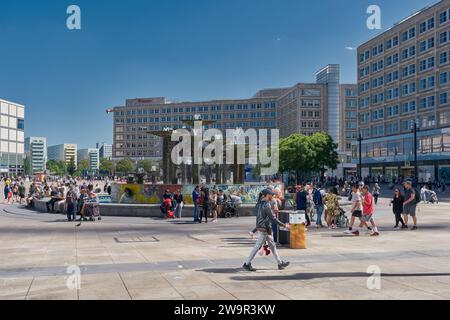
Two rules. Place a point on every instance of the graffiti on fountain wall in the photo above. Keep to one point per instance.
(153, 194)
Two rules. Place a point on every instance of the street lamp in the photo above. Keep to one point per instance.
(415, 128)
(360, 140)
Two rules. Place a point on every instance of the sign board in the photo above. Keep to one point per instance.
(299, 217)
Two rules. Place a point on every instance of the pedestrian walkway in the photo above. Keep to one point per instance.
(139, 258)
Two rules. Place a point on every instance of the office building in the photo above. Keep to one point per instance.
(106, 151)
(12, 138)
(92, 155)
(303, 108)
(63, 152)
(403, 78)
(36, 154)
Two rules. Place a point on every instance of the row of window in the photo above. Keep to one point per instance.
(253, 106)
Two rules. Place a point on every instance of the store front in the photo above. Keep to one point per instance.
(391, 173)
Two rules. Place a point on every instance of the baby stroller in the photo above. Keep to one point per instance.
(341, 219)
(229, 210)
(91, 211)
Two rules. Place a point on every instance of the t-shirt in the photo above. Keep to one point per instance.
(356, 196)
(368, 207)
(408, 194)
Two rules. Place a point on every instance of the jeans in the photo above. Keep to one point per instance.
(262, 238)
(51, 203)
(71, 212)
(196, 213)
(319, 215)
(178, 210)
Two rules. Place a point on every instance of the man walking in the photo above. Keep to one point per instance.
(195, 195)
(356, 210)
(71, 200)
(318, 202)
(368, 211)
(410, 204)
(264, 220)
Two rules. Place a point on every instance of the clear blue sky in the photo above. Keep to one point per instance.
(181, 49)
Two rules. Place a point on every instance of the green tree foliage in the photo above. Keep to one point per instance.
(306, 154)
(147, 165)
(56, 167)
(125, 166)
(106, 165)
(71, 167)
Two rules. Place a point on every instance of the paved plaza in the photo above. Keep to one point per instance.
(138, 258)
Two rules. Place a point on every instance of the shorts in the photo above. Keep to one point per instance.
(367, 217)
(410, 210)
(357, 214)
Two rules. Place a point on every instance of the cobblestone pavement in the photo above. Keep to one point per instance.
(138, 258)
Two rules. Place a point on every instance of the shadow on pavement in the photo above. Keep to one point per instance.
(310, 276)
(222, 270)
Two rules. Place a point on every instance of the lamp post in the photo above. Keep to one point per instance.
(360, 140)
(415, 128)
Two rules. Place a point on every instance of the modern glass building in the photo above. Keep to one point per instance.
(63, 152)
(403, 78)
(36, 154)
(12, 138)
(106, 151)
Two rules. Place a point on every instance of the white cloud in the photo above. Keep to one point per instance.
(350, 48)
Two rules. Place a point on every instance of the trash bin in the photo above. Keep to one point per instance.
(297, 234)
(283, 234)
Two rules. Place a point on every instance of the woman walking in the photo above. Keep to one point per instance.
(376, 192)
(397, 208)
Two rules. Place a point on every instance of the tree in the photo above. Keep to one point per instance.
(125, 166)
(326, 156)
(148, 166)
(26, 166)
(106, 165)
(83, 167)
(71, 167)
(58, 168)
(296, 154)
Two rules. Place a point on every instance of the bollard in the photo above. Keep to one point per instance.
(298, 236)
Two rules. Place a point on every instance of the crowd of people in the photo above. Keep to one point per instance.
(73, 193)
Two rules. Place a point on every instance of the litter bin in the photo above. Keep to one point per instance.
(297, 234)
(284, 234)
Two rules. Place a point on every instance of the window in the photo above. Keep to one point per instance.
(443, 57)
(442, 17)
(443, 78)
(422, 46)
(423, 27)
(395, 41)
(412, 33)
(430, 23)
(412, 51)
(443, 37)
(405, 36)
(443, 98)
(431, 43)
(20, 124)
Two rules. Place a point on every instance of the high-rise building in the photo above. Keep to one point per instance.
(330, 75)
(36, 154)
(12, 138)
(403, 78)
(63, 152)
(92, 155)
(106, 151)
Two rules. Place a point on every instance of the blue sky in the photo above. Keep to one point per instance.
(181, 49)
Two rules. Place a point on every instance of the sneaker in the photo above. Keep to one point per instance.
(405, 226)
(356, 233)
(414, 228)
(252, 235)
(396, 228)
(248, 267)
(283, 265)
(348, 232)
(375, 234)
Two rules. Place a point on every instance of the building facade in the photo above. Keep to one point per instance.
(403, 77)
(303, 108)
(63, 152)
(106, 151)
(92, 155)
(36, 154)
(12, 138)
